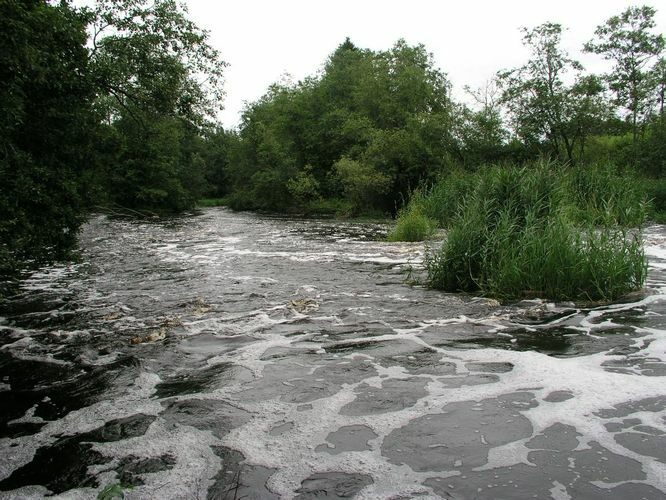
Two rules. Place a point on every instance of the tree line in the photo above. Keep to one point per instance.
(114, 107)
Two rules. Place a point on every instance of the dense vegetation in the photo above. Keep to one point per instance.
(100, 107)
(113, 108)
(538, 230)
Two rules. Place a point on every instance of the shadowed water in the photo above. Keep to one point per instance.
(231, 355)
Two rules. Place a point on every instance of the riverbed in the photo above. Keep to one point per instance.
(235, 355)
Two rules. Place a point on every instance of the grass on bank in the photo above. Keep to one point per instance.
(539, 231)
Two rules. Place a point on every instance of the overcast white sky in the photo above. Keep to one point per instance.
(470, 39)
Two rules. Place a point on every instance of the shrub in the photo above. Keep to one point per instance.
(521, 233)
(413, 225)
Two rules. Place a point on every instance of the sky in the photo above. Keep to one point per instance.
(263, 40)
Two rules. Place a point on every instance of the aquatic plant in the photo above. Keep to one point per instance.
(522, 233)
(413, 223)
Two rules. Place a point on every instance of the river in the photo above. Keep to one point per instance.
(233, 355)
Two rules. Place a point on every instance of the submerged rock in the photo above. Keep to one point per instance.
(154, 336)
(304, 306)
(332, 485)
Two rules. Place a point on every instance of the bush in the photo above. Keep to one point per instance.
(413, 225)
(655, 192)
(604, 196)
(520, 233)
(443, 200)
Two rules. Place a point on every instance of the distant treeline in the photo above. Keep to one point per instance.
(114, 108)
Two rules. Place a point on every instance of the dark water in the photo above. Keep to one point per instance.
(238, 356)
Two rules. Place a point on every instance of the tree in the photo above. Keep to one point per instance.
(480, 132)
(46, 129)
(629, 42)
(148, 56)
(382, 115)
(659, 74)
(159, 84)
(542, 106)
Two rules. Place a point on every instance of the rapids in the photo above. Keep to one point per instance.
(233, 355)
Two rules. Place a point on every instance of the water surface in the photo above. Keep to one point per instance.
(233, 355)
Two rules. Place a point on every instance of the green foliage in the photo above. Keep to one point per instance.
(544, 109)
(655, 192)
(155, 165)
(603, 196)
(413, 225)
(158, 81)
(304, 187)
(362, 184)
(516, 235)
(212, 202)
(628, 41)
(371, 127)
(651, 157)
(148, 56)
(46, 128)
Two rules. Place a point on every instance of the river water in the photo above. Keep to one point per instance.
(231, 355)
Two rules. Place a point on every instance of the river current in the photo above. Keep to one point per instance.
(231, 355)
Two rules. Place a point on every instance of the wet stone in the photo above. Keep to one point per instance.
(131, 468)
(293, 383)
(202, 380)
(394, 395)
(348, 438)
(461, 435)
(474, 379)
(212, 415)
(418, 361)
(60, 467)
(540, 314)
(493, 367)
(119, 429)
(649, 430)
(527, 482)
(644, 444)
(332, 485)
(55, 389)
(278, 430)
(655, 404)
(238, 479)
(558, 437)
(208, 344)
(558, 396)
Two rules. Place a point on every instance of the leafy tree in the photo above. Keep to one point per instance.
(46, 126)
(147, 55)
(480, 132)
(659, 74)
(629, 42)
(543, 107)
(386, 114)
(159, 82)
(362, 183)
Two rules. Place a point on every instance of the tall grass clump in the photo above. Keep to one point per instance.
(412, 223)
(444, 199)
(520, 233)
(655, 191)
(604, 196)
